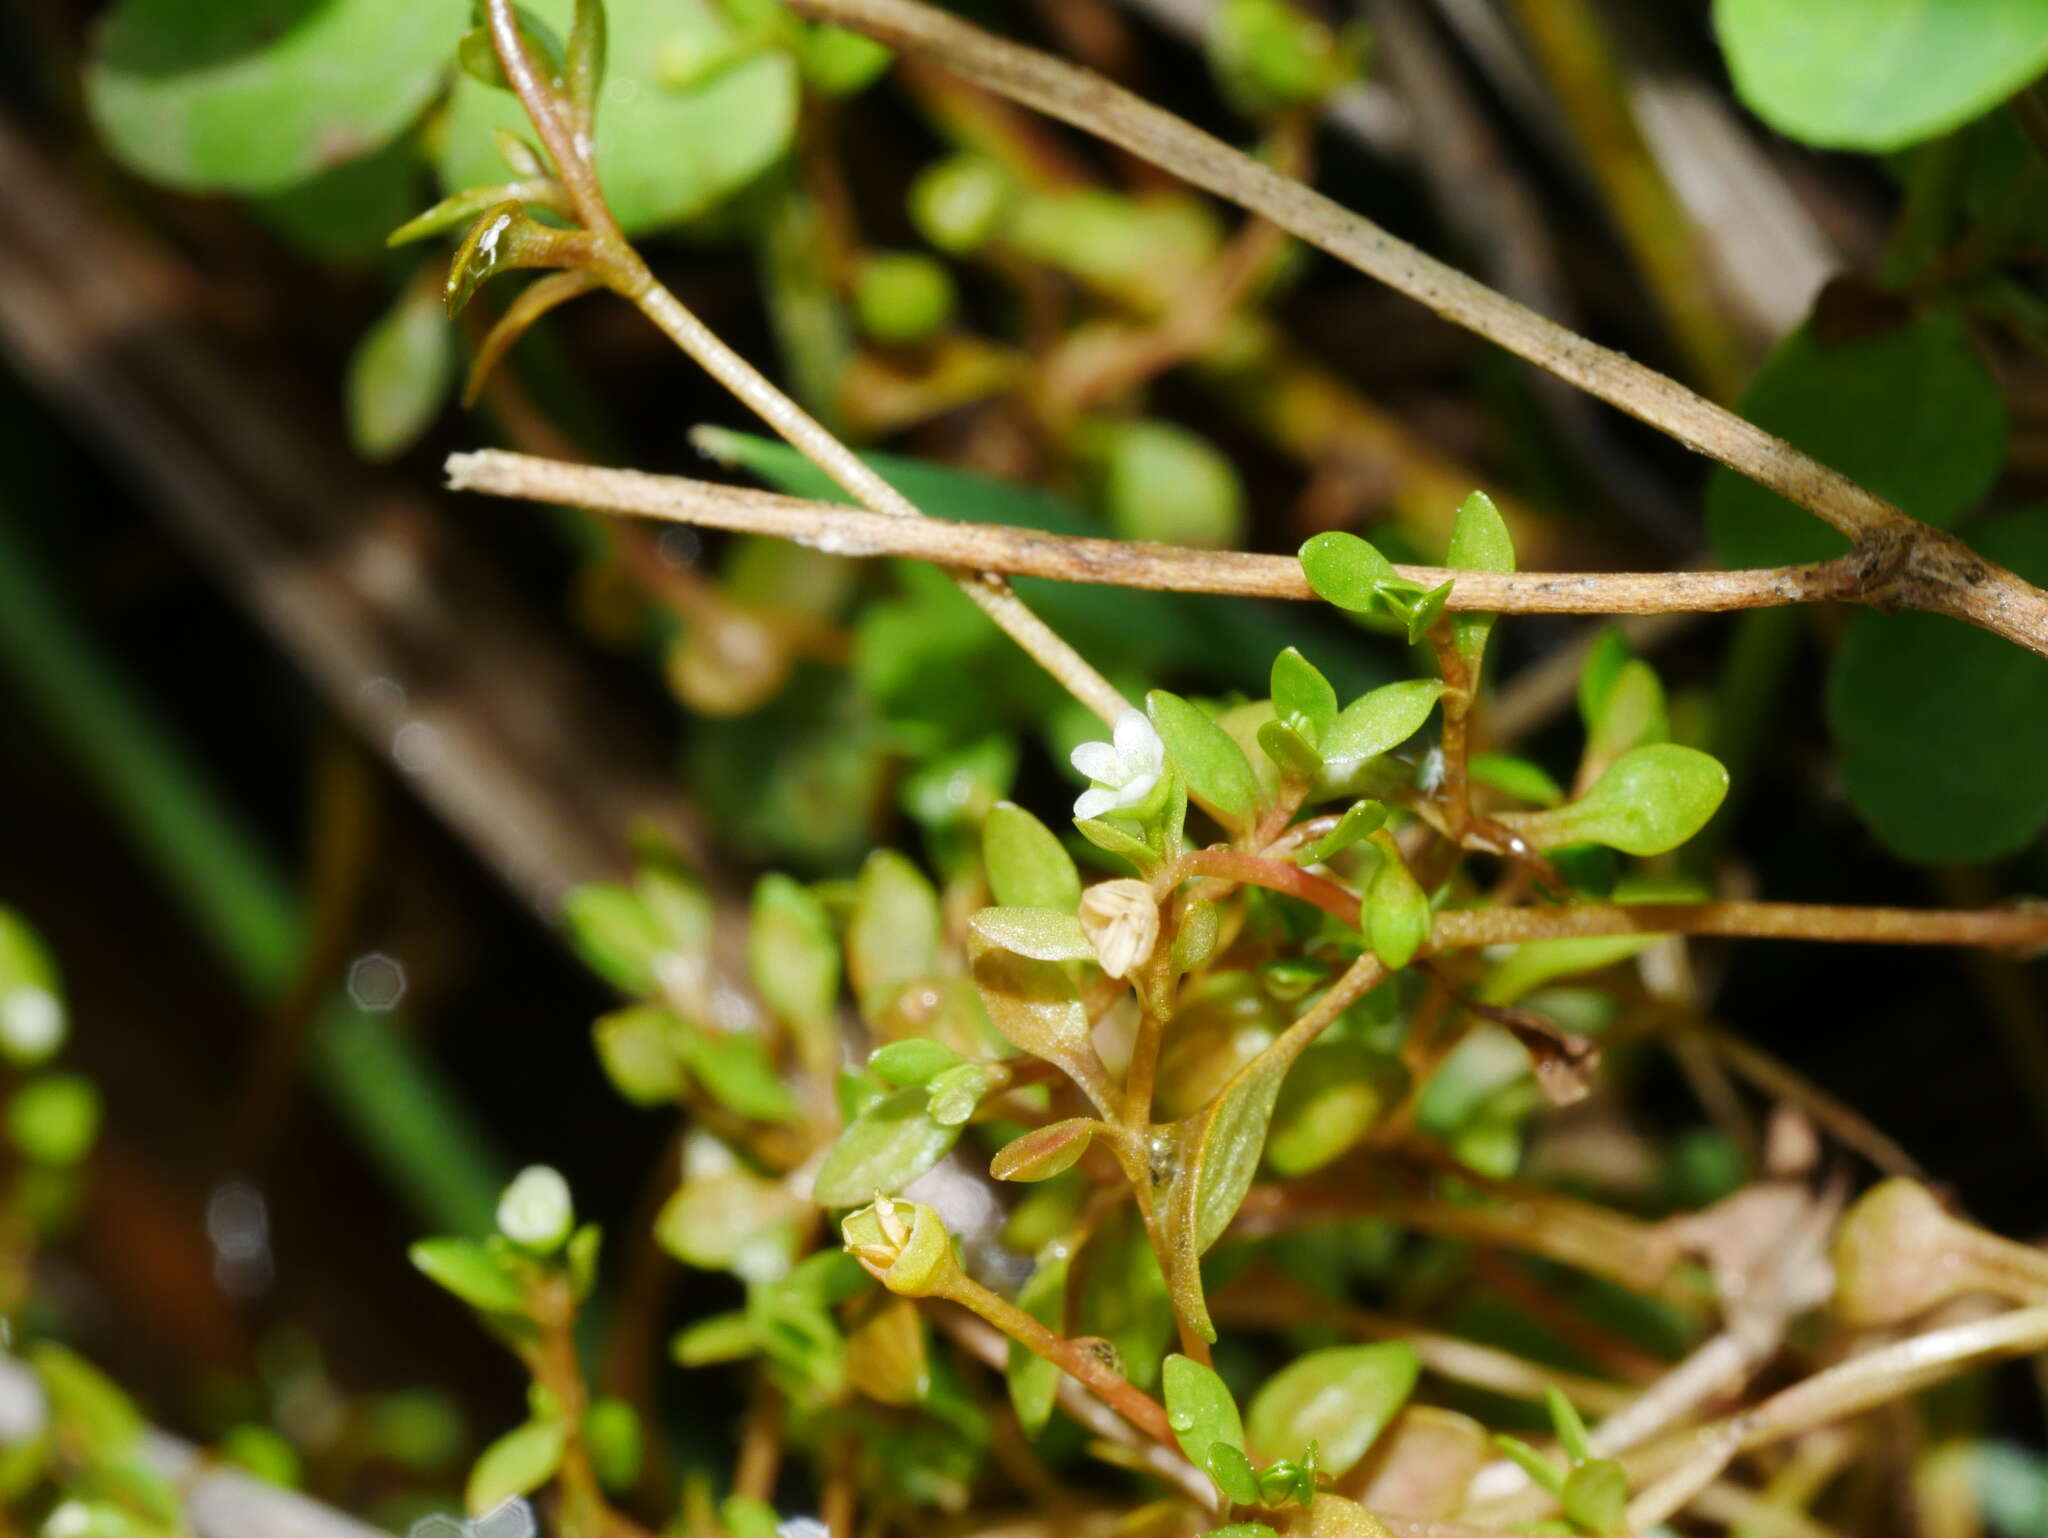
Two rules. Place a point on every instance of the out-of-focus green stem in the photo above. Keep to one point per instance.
(371, 1074)
(1571, 43)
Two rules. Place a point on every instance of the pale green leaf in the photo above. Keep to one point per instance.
(883, 1149)
(1218, 775)
(518, 1463)
(1339, 1398)
(1027, 867)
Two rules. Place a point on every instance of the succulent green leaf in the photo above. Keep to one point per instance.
(611, 1430)
(637, 1048)
(957, 1093)
(1377, 723)
(1943, 728)
(1034, 1006)
(1650, 800)
(664, 153)
(1479, 542)
(1631, 714)
(1288, 748)
(1111, 839)
(893, 938)
(1046, 934)
(252, 96)
(518, 1463)
(1877, 75)
(887, 1146)
(1911, 412)
(1027, 866)
(471, 1272)
(1217, 773)
(735, 1070)
(1302, 697)
(1163, 483)
(1396, 909)
(1044, 1151)
(478, 55)
(1595, 1497)
(1347, 571)
(1200, 1409)
(1234, 1475)
(1564, 1419)
(1219, 1153)
(1340, 1399)
(400, 375)
(1361, 819)
(721, 1338)
(1334, 1095)
(587, 54)
(731, 1220)
(917, 1060)
(1533, 1463)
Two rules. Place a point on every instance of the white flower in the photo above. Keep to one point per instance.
(1123, 771)
(1121, 920)
(536, 1210)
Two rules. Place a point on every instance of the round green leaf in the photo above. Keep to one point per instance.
(1942, 727)
(254, 95)
(1200, 1409)
(1340, 1399)
(663, 154)
(1877, 75)
(1346, 570)
(1911, 413)
(1649, 801)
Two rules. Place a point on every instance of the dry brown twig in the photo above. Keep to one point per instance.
(844, 530)
(1912, 564)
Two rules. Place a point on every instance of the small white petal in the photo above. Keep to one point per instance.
(1094, 802)
(1135, 738)
(1099, 761)
(1137, 790)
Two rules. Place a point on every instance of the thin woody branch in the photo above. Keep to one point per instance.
(1028, 552)
(1934, 570)
(620, 267)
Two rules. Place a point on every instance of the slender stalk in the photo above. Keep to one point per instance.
(1120, 563)
(622, 270)
(1071, 1357)
(1935, 570)
(2017, 927)
(1861, 1383)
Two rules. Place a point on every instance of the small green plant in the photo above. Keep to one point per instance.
(1046, 1160)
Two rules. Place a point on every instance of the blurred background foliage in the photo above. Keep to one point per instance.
(303, 755)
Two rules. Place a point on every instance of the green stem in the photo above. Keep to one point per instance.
(408, 1121)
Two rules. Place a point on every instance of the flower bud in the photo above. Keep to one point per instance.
(536, 1210)
(903, 1245)
(1898, 1254)
(1121, 920)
